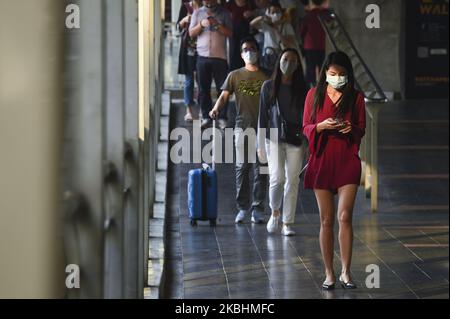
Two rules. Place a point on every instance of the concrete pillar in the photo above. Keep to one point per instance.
(30, 136)
(176, 5)
(84, 167)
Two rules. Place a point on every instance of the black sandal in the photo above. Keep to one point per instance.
(326, 286)
(347, 285)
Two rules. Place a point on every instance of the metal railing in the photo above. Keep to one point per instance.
(374, 98)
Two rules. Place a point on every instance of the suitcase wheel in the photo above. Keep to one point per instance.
(193, 222)
(212, 222)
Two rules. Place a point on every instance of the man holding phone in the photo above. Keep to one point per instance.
(211, 24)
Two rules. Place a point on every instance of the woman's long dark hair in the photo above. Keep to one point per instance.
(349, 93)
(298, 87)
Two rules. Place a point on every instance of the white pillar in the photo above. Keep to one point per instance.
(176, 5)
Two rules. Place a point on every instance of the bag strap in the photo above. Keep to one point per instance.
(278, 110)
(213, 160)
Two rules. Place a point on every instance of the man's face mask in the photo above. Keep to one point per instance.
(288, 67)
(250, 57)
(337, 81)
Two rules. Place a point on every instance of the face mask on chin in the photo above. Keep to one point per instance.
(337, 81)
(250, 57)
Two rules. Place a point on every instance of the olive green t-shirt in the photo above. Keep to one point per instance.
(246, 86)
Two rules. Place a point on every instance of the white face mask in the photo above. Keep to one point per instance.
(337, 81)
(276, 17)
(288, 67)
(250, 57)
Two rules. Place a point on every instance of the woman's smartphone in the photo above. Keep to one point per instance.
(339, 122)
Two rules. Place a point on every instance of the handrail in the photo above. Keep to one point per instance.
(330, 14)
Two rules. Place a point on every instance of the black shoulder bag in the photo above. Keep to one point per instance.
(290, 133)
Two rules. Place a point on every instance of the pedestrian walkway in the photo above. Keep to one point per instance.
(407, 239)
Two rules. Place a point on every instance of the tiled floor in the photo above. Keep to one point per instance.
(407, 239)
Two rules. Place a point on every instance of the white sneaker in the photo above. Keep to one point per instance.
(240, 217)
(222, 124)
(272, 225)
(287, 231)
(206, 123)
(257, 217)
(188, 117)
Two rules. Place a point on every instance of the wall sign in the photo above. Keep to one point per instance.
(426, 49)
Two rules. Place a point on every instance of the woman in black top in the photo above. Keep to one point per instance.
(280, 113)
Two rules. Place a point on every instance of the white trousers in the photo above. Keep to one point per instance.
(285, 164)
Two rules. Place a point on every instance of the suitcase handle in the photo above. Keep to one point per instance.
(204, 194)
(213, 157)
(213, 160)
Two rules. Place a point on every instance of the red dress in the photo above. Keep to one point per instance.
(333, 160)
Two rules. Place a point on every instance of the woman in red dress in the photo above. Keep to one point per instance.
(334, 123)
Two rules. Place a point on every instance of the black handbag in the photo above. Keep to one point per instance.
(269, 59)
(289, 132)
(184, 39)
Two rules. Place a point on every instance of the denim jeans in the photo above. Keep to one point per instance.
(243, 169)
(189, 89)
(207, 70)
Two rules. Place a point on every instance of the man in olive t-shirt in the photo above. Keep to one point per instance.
(245, 84)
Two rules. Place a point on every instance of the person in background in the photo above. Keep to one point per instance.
(302, 8)
(281, 108)
(278, 34)
(211, 24)
(334, 123)
(261, 8)
(291, 7)
(242, 12)
(245, 84)
(188, 55)
(313, 40)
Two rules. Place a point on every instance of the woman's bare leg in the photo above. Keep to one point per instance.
(325, 202)
(347, 195)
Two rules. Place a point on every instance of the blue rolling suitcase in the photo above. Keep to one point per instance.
(202, 195)
(202, 191)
